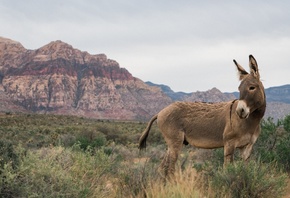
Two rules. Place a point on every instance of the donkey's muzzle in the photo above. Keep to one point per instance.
(242, 110)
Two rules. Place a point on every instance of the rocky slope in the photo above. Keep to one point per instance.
(57, 78)
(175, 96)
(212, 95)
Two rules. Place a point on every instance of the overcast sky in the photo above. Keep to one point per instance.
(187, 45)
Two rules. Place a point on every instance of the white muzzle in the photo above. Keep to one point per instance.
(243, 111)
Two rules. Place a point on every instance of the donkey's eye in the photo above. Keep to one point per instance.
(252, 88)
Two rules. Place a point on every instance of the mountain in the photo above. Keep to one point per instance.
(278, 94)
(59, 79)
(175, 96)
(212, 95)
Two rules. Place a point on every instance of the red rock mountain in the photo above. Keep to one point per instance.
(59, 79)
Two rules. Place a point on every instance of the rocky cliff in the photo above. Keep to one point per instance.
(57, 78)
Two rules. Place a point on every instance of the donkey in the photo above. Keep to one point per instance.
(233, 124)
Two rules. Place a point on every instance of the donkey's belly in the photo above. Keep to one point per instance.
(206, 143)
(209, 136)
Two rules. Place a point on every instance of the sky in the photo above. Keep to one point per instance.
(187, 45)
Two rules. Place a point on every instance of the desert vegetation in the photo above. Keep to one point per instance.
(67, 156)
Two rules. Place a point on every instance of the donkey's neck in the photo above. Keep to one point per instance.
(259, 113)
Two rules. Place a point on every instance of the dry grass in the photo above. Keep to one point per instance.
(184, 185)
(287, 189)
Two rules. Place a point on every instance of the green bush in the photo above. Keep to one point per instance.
(91, 139)
(286, 123)
(9, 163)
(283, 147)
(8, 181)
(8, 155)
(59, 172)
(283, 153)
(273, 142)
(244, 180)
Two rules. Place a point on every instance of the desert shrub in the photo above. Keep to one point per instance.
(44, 177)
(8, 154)
(134, 180)
(283, 152)
(155, 137)
(59, 172)
(104, 128)
(273, 142)
(156, 153)
(265, 146)
(90, 139)
(243, 180)
(284, 145)
(286, 123)
(113, 132)
(9, 162)
(8, 178)
(218, 156)
(67, 140)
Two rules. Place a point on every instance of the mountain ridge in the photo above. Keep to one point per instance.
(59, 79)
(273, 94)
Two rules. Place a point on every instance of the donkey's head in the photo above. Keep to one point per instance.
(252, 95)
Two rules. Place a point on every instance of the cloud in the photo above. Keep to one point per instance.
(188, 45)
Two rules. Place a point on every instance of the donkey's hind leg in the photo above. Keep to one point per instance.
(164, 166)
(175, 144)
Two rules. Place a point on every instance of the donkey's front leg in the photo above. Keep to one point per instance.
(247, 149)
(229, 149)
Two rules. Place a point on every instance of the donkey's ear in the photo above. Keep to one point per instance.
(241, 71)
(254, 66)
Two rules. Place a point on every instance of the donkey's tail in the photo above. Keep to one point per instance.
(143, 138)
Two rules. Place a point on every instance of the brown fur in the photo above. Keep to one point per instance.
(233, 124)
